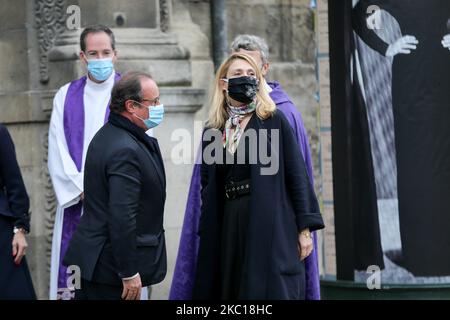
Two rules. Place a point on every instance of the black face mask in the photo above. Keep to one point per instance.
(243, 89)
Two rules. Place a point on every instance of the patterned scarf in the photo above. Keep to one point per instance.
(236, 114)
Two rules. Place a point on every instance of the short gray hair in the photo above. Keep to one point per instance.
(251, 43)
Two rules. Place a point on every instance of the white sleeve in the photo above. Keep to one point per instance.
(67, 181)
(130, 278)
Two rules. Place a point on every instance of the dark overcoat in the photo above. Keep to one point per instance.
(281, 205)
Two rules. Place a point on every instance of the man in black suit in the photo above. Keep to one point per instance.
(119, 244)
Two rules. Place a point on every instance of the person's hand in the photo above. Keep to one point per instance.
(19, 246)
(404, 45)
(82, 196)
(132, 288)
(446, 42)
(305, 244)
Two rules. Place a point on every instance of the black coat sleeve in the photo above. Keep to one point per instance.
(11, 176)
(203, 181)
(359, 21)
(124, 184)
(301, 192)
(209, 136)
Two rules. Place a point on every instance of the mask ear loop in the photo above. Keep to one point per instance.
(227, 100)
(226, 92)
(139, 103)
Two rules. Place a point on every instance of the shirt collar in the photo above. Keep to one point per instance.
(108, 82)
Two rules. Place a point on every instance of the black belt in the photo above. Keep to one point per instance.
(238, 189)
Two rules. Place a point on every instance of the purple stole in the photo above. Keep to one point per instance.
(74, 134)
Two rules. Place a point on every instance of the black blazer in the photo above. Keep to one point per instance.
(121, 231)
(14, 200)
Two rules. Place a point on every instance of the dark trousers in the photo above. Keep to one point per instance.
(234, 240)
(97, 291)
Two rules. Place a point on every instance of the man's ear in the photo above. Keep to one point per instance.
(115, 57)
(130, 106)
(265, 69)
(83, 57)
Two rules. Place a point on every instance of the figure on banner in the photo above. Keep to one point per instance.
(421, 100)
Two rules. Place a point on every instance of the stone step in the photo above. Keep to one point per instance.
(182, 99)
(144, 49)
(175, 100)
(143, 36)
(131, 43)
(165, 72)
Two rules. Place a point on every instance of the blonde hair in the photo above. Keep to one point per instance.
(218, 115)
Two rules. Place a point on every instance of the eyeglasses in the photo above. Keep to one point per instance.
(153, 102)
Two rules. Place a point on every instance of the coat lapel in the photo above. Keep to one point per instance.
(157, 163)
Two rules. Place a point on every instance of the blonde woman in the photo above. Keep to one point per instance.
(258, 206)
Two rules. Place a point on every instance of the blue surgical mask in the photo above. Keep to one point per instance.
(155, 115)
(100, 69)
